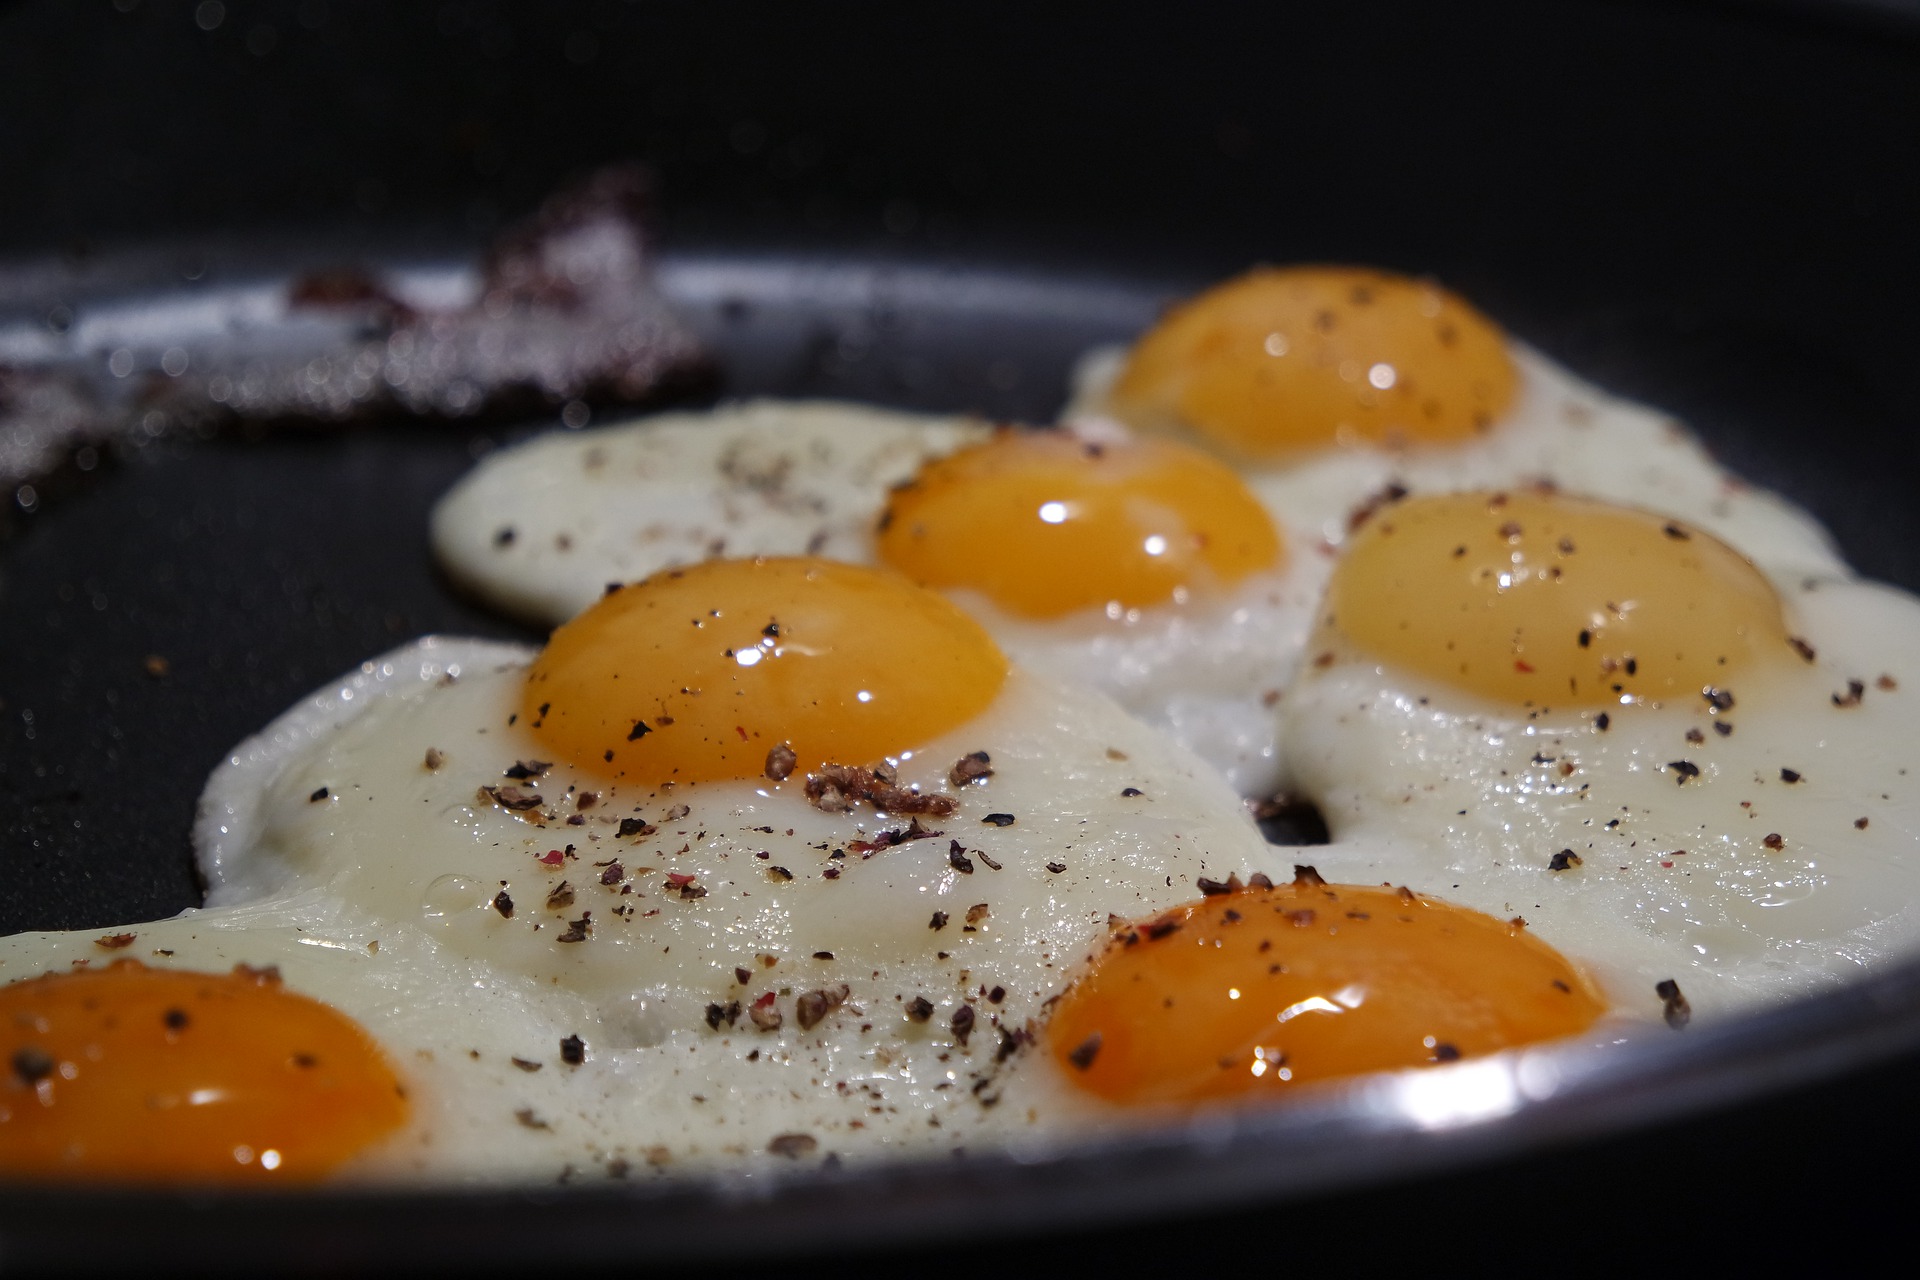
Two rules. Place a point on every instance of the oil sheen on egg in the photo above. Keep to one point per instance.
(1613, 725)
(754, 974)
(1144, 568)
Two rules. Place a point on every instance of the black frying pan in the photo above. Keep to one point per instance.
(1710, 208)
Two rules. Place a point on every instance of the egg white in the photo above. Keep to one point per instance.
(1472, 799)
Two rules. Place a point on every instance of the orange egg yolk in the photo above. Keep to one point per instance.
(1543, 600)
(133, 1074)
(1044, 524)
(696, 674)
(1259, 990)
(1282, 360)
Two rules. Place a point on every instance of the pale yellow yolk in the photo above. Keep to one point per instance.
(130, 1074)
(1256, 991)
(1282, 360)
(1541, 600)
(697, 674)
(1043, 523)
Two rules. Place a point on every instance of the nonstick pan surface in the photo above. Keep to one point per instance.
(1708, 208)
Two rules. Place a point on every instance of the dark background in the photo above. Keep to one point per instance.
(1712, 207)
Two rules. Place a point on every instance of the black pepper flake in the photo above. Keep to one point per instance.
(996, 995)
(1696, 737)
(1056, 867)
(742, 975)
(831, 873)
(1675, 532)
(793, 1145)
(526, 1064)
(175, 1019)
(1859, 824)
(114, 941)
(962, 1023)
(919, 1008)
(1212, 888)
(1565, 860)
(526, 1116)
(513, 798)
(823, 955)
(503, 903)
(1855, 690)
(636, 827)
(1683, 770)
(987, 858)
(998, 820)
(504, 536)
(975, 766)
(561, 896)
(1801, 647)
(573, 1051)
(812, 1006)
(779, 873)
(1718, 699)
(1789, 775)
(1130, 792)
(958, 860)
(1601, 721)
(32, 1064)
(1773, 840)
(434, 758)
(723, 1014)
(1444, 1052)
(1306, 877)
(524, 769)
(317, 796)
(614, 874)
(639, 730)
(939, 920)
(781, 760)
(579, 930)
(1158, 929)
(1674, 1006)
(1722, 728)
(1085, 1052)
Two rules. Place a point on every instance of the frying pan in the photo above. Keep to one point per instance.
(1708, 207)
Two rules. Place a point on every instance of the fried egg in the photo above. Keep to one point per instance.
(754, 862)
(1144, 568)
(1614, 725)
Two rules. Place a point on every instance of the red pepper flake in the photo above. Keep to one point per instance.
(552, 858)
(764, 1014)
(811, 1007)
(1886, 683)
(114, 941)
(1674, 1006)
(1523, 666)
(793, 1145)
(614, 874)
(976, 913)
(678, 879)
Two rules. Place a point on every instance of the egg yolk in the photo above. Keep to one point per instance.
(1539, 599)
(697, 674)
(1257, 990)
(1045, 524)
(1285, 359)
(144, 1075)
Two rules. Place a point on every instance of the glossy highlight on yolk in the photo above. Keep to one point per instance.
(1266, 988)
(1044, 523)
(695, 674)
(131, 1074)
(1286, 359)
(1544, 600)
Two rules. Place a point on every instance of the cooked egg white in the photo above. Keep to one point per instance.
(1749, 830)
